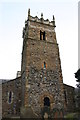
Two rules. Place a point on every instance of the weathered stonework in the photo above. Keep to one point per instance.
(69, 93)
(12, 108)
(39, 82)
(14, 85)
(38, 91)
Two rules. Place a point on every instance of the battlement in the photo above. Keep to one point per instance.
(41, 20)
(38, 24)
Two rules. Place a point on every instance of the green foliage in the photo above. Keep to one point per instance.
(72, 116)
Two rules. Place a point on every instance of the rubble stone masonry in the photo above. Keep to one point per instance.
(41, 68)
(39, 92)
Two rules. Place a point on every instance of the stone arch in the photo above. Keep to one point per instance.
(46, 101)
(48, 96)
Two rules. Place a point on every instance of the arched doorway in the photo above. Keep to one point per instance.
(46, 101)
(46, 108)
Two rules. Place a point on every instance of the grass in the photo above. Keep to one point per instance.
(72, 116)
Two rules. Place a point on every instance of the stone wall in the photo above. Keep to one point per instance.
(69, 94)
(39, 80)
(39, 93)
(11, 104)
(0, 99)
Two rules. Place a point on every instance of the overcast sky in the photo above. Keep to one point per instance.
(12, 18)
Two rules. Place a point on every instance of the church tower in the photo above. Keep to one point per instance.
(42, 82)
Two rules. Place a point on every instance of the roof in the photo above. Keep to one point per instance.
(6, 80)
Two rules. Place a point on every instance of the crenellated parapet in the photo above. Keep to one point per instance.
(37, 24)
(41, 20)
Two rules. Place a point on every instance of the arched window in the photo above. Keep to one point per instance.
(46, 101)
(10, 97)
(42, 35)
(44, 64)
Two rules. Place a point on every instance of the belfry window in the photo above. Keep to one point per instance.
(42, 35)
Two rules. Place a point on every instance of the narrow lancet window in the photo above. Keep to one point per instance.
(44, 64)
(10, 96)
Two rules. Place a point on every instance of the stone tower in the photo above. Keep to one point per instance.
(42, 83)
